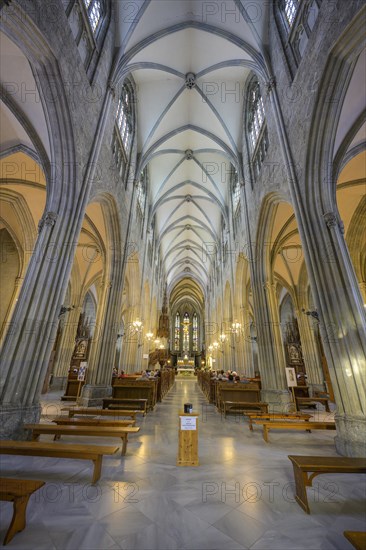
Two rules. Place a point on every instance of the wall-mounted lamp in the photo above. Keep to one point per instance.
(314, 314)
(65, 309)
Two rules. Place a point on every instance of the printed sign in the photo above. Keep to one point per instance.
(188, 423)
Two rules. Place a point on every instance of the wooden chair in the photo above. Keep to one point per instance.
(59, 450)
(316, 465)
(18, 492)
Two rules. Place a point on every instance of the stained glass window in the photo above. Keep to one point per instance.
(177, 332)
(195, 333)
(186, 333)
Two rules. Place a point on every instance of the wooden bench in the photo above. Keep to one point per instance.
(91, 411)
(18, 492)
(311, 401)
(59, 450)
(292, 425)
(315, 465)
(275, 416)
(120, 403)
(238, 393)
(66, 421)
(136, 389)
(94, 431)
(243, 406)
(356, 538)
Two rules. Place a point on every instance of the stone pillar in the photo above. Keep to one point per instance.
(343, 328)
(270, 348)
(101, 362)
(28, 343)
(67, 346)
(310, 351)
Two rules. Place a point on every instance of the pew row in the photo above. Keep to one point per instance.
(91, 411)
(60, 450)
(316, 465)
(292, 425)
(275, 416)
(93, 431)
(18, 492)
(121, 403)
(244, 406)
(66, 421)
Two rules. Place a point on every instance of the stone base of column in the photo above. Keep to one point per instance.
(351, 435)
(58, 383)
(278, 400)
(92, 396)
(13, 417)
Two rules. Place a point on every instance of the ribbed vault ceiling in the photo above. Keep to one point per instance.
(189, 138)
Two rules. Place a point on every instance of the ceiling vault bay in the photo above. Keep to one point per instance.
(190, 67)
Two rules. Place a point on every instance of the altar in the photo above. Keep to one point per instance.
(185, 366)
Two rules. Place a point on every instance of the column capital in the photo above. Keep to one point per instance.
(271, 84)
(331, 219)
(48, 219)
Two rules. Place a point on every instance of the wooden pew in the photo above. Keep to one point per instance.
(312, 400)
(60, 450)
(292, 425)
(91, 411)
(119, 403)
(275, 416)
(137, 389)
(66, 421)
(18, 492)
(356, 538)
(97, 431)
(244, 406)
(316, 465)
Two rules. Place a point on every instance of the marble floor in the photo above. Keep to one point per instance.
(240, 496)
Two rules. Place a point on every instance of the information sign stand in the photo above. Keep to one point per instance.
(188, 440)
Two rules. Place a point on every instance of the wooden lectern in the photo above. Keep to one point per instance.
(188, 440)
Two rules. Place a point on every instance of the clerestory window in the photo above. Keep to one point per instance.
(257, 127)
(95, 9)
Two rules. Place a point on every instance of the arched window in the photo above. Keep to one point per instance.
(123, 129)
(289, 8)
(89, 22)
(96, 10)
(257, 127)
(177, 333)
(123, 119)
(295, 20)
(186, 324)
(195, 333)
(236, 191)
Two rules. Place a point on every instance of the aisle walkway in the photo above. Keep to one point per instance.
(239, 497)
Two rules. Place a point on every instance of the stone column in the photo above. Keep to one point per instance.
(270, 348)
(67, 346)
(101, 363)
(28, 343)
(343, 327)
(315, 376)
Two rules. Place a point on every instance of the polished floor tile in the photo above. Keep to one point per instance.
(241, 495)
